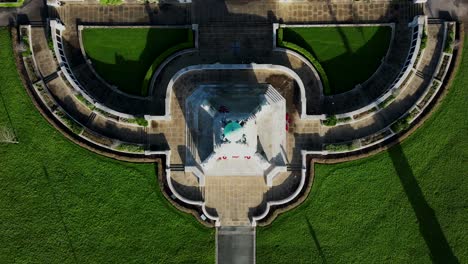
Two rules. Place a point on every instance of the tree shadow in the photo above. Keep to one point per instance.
(128, 74)
(60, 213)
(353, 66)
(315, 240)
(429, 226)
(2, 99)
(340, 31)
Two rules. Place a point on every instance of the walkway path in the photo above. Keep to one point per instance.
(453, 9)
(235, 245)
(32, 10)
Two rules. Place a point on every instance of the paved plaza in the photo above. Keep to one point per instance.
(235, 120)
(233, 33)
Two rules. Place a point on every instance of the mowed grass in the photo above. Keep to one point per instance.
(405, 205)
(60, 203)
(122, 56)
(349, 55)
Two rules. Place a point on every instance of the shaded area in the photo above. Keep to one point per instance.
(429, 225)
(122, 56)
(349, 55)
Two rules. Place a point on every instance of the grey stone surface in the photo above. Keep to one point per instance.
(32, 10)
(235, 245)
(448, 9)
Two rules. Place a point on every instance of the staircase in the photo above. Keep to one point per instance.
(294, 167)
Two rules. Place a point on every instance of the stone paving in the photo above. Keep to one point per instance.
(232, 196)
(44, 57)
(295, 12)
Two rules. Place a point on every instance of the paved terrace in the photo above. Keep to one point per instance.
(302, 134)
(238, 33)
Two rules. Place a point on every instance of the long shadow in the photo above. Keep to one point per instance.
(8, 115)
(339, 29)
(351, 67)
(429, 225)
(128, 74)
(316, 242)
(60, 213)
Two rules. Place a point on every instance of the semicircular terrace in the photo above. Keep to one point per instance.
(304, 135)
(388, 77)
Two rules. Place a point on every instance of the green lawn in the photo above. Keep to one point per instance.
(12, 3)
(60, 203)
(123, 56)
(379, 209)
(110, 2)
(63, 204)
(349, 55)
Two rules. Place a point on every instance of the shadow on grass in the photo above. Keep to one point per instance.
(8, 115)
(60, 213)
(429, 225)
(340, 31)
(128, 74)
(315, 240)
(353, 66)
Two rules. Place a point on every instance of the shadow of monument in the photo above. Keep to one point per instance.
(315, 240)
(429, 226)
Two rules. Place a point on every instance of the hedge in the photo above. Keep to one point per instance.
(330, 121)
(139, 120)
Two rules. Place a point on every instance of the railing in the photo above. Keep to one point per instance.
(405, 119)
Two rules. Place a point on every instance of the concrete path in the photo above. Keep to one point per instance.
(448, 9)
(235, 245)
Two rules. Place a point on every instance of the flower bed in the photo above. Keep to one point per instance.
(375, 137)
(428, 96)
(107, 114)
(97, 138)
(30, 69)
(404, 122)
(68, 122)
(342, 147)
(450, 38)
(330, 121)
(387, 101)
(365, 113)
(443, 67)
(141, 121)
(45, 96)
(130, 148)
(87, 103)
